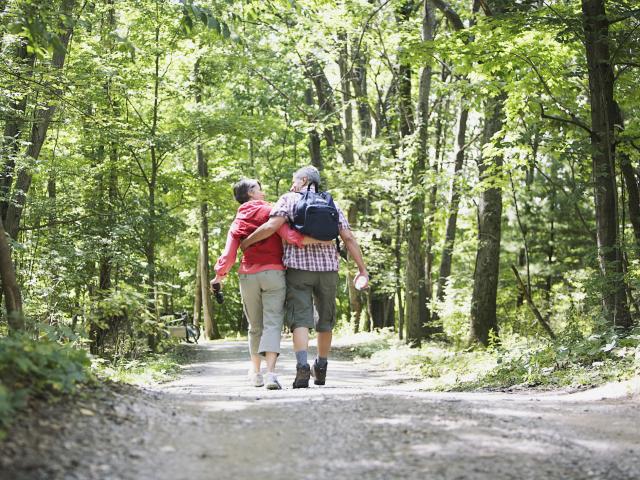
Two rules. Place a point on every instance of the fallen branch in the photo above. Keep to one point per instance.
(527, 296)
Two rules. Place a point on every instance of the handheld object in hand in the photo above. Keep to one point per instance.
(217, 292)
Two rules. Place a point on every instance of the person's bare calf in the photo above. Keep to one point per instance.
(271, 358)
(324, 344)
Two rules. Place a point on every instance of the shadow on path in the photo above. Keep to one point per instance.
(364, 424)
(369, 424)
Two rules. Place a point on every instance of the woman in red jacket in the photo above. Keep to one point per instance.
(262, 278)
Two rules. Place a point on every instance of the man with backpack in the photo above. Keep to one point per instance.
(312, 271)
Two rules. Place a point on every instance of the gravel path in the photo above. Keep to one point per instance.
(362, 425)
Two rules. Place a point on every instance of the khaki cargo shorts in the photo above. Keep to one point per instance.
(304, 289)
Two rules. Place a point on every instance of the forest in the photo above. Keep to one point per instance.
(486, 153)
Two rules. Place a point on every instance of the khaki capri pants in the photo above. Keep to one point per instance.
(263, 296)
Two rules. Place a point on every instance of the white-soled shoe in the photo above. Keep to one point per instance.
(271, 381)
(255, 378)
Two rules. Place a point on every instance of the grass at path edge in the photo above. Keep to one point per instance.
(516, 363)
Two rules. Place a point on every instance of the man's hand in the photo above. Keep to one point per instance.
(307, 240)
(264, 231)
(353, 248)
(361, 281)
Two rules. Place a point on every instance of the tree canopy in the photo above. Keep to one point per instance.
(486, 154)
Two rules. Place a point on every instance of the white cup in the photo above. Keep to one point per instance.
(361, 282)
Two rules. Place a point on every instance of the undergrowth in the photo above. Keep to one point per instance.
(40, 368)
(53, 366)
(151, 368)
(572, 360)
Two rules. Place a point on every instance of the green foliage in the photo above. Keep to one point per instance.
(38, 24)
(574, 359)
(151, 368)
(124, 314)
(37, 368)
(196, 13)
(364, 344)
(438, 365)
(108, 239)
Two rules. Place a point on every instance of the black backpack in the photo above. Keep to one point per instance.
(316, 215)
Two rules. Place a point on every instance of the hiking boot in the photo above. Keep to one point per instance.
(318, 373)
(255, 378)
(303, 373)
(271, 381)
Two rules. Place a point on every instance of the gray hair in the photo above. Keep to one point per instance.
(312, 174)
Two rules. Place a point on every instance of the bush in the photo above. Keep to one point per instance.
(37, 368)
(363, 344)
(573, 359)
(151, 368)
(583, 354)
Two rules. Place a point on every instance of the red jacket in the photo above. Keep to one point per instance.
(249, 217)
(263, 255)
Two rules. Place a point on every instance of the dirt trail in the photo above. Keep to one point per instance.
(363, 424)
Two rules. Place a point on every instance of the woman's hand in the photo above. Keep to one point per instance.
(217, 280)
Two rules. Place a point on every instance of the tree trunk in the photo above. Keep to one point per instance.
(550, 250)
(10, 288)
(633, 197)
(314, 137)
(197, 304)
(440, 147)
(324, 94)
(12, 210)
(343, 64)
(454, 202)
(13, 129)
(383, 109)
(418, 316)
(378, 302)
(454, 195)
(522, 220)
(106, 204)
(106, 257)
(150, 249)
(485, 278)
(406, 128)
(355, 297)
(41, 122)
(359, 82)
(604, 113)
(210, 325)
(381, 307)
(152, 183)
(398, 262)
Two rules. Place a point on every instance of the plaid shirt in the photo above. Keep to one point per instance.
(314, 258)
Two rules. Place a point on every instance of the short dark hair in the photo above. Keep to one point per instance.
(241, 189)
